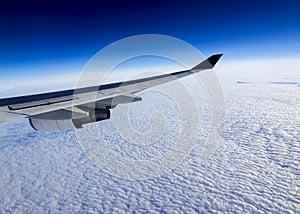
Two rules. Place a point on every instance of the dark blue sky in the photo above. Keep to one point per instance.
(34, 32)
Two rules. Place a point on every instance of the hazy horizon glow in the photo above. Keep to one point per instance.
(228, 72)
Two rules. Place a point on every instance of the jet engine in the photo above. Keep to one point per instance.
(41, 124)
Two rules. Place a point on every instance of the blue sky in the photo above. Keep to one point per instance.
(39, 38)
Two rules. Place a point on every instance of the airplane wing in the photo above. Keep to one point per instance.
(70, 109)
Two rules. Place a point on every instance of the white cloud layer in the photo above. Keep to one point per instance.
(255, 168)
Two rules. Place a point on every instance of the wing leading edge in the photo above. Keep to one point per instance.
(107, 96)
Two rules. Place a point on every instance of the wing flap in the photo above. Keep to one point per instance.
(121, 99)
(7, 116)
(40, 103)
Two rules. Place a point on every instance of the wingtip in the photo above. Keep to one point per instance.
(209, 63)
(214, 59)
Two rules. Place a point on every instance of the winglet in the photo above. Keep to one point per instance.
(209, 63)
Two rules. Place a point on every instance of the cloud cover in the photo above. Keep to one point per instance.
(254, 169)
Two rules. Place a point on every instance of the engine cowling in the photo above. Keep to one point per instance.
(94, 116)
(48, 125)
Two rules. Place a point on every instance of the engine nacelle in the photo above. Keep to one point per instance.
(94, 116)
(69, 124)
